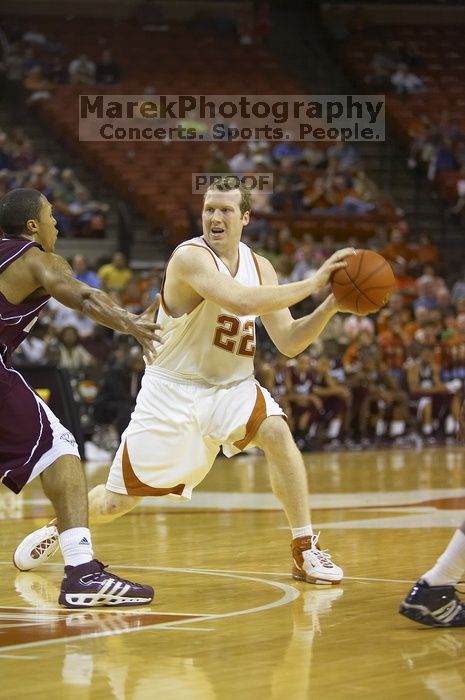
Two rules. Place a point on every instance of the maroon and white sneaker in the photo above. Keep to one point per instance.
(89, 585)
(312, 564)
(36, 548)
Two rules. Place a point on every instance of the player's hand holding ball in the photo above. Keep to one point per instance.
(364, 284)
(337, 261)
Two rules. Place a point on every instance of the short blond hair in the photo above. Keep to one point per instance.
(228, 184)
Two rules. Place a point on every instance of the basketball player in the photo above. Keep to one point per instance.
(33, 441)
(433, 600)
(200, 393)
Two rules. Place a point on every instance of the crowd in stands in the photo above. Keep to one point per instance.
(320, 179)
(394, 377)
(393, 69)
(38, 64)
(76, 212)
(436, 136)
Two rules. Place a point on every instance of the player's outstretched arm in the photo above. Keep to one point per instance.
(292, 336)
(194, 267)
(54, 275)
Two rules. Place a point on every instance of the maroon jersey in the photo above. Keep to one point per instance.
(16, 320)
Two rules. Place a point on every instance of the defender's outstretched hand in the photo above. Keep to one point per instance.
(335, 262)
(144, 329)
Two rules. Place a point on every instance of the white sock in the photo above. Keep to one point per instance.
(334, 428)
(427, 429)
(450, 566)
(380, 427)
(76, 546)
(397, 428)
(450, 425)
(306, 531)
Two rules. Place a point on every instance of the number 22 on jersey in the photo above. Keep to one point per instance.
(233, 336)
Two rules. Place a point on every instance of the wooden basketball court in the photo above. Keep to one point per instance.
(228, 621)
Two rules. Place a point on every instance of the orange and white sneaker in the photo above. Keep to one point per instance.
(312, 564)
(36, 548)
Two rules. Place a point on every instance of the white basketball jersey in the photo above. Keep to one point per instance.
(210, 343)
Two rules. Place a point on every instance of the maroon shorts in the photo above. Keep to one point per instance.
(31, 436)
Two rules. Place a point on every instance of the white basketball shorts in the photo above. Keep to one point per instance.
(177, 428)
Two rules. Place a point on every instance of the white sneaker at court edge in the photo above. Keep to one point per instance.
(36, 548)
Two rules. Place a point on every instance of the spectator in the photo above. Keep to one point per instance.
(37, 85)
(313, 156)
(317, 197)
(459, 205)
(306, 407)
(72, 353)
(33, 349)
(82, 70)
(60, 316)
(397, 248)
(56, 71)
(306, 265)
(426, 290)
(426, 252)
(287, 152)
(343, 156)
(351, 359)
(435, 400)
(151, 286)
(406, 82)
(81, 272)
(458, 289)
(443, 161)
(392, 345)
(384, 408)
(116, 274)
(288, 188)
(380, 69)
(100, 344)
(242, 162)
(116, 397)
(406, 282)
(335, 398)
(88, 215)
(353, 325)
(216, 162)
(106, 70)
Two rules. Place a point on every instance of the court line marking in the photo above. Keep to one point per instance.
(281, 574)
(18, 658)
(289, 594)
(227, 501)
(108, 611)
(269, 573)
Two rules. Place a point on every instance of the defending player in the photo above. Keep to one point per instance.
(33, 441)
(433, 600)
(200, 393)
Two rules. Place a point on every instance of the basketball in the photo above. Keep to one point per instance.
(365, 284)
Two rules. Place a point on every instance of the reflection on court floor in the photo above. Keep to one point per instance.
(228, 621)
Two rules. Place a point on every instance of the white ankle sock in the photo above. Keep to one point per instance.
(450, 566)
(397, 427)
(306, 531)
(334, 428)
(76, 546)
